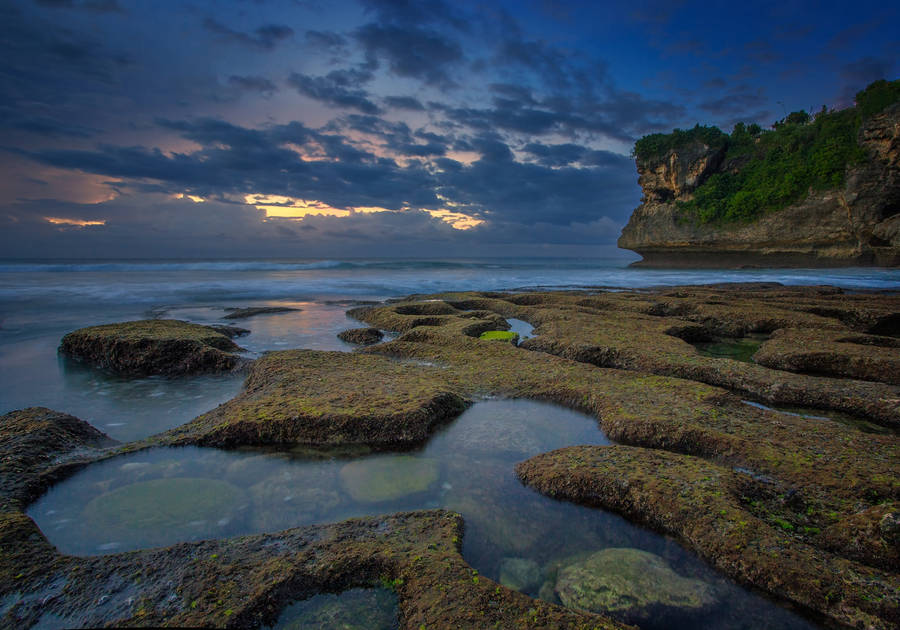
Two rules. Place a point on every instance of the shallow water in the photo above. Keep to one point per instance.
(828, 415)
(354, 609)
(740, 349)
(32, 373)
(162, 496)
(521, 327)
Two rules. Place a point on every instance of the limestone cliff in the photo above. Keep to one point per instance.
(857, 224)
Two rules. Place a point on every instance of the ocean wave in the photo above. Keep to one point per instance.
(154, 266)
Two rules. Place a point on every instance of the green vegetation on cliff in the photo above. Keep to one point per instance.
(766, 170)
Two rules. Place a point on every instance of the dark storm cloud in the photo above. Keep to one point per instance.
(505, 190)
(415, 12)
(565, 154)
(860, 73)
(101, 6)
(412, 52)
(265, 37)
(738, 101)
(338, 87)
(404, 102)
(235, 161)
(326, 40)
(253, 84)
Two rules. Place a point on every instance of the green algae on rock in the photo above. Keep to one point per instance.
(153, 346)
(39, 446)
(631, 585)
(500, 335)
(151, 510)
(327, 398)
(378, 479)
(361, 336)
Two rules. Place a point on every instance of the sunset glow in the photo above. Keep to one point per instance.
(72, 222)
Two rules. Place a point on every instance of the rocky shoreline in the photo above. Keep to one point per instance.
(805, 509)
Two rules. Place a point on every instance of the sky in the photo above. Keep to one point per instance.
(362, 128)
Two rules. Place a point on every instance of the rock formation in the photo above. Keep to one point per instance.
(856, 224)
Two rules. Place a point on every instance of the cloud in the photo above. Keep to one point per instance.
(100, 6)
(404, 102)
(326, 40)
(412, 52)
(265, 37)
(738, 101)
(253, 84)
(338, 87)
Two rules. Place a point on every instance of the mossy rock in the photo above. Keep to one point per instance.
(153, 346)
(631, 585)
(159, 511)
(389, 478)
(327, 399)
(361, 336)
(356, 609)
(500, 335)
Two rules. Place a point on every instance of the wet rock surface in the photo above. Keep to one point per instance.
(327, 398)
(361, 336)
(154, 346)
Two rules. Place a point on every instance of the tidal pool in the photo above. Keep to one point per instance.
(354, 609)
(739, 349)
(521, 328)
(513, 535)
(846, 419)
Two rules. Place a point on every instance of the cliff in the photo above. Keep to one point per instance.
(855, 223)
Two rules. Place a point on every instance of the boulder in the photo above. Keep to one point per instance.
(631, 585)
(154, 346)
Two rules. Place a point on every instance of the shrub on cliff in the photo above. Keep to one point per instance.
(774, 168)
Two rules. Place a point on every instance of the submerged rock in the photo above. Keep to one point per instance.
(385, 479)
(361, 336)
(631, 585)
(151, 510)
(356, 609)
(153, 346)
(293, 497)
(519, 574)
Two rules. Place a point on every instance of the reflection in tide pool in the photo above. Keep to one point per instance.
(314, 325)
(513, 534)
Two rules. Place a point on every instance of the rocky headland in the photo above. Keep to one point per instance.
(755, 199)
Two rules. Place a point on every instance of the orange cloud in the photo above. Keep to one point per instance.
(73, 222)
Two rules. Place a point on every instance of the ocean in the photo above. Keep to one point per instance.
(41, 300)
